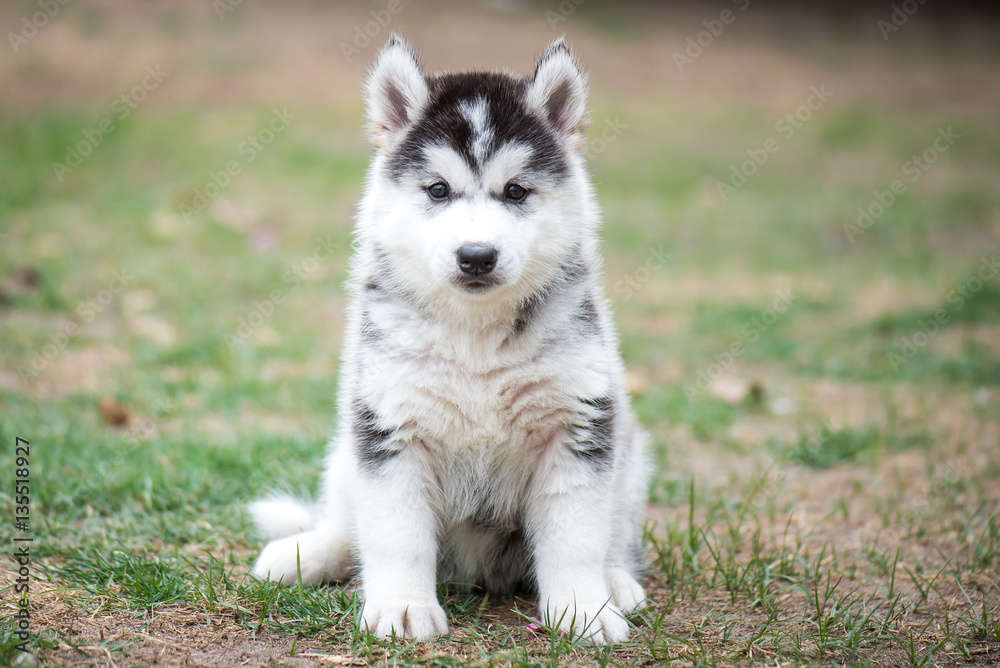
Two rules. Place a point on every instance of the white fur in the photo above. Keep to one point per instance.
(281, 516)
(475, 112)
(556, 70)
(485, 420)
(396, 78)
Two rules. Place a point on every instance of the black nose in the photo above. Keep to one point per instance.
(477, 259)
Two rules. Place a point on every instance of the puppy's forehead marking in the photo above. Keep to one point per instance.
(476, 114)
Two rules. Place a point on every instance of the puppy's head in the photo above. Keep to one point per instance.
(477, 189)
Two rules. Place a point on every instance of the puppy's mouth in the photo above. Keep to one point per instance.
(476, 284)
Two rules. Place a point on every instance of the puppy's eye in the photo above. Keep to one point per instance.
(514, 192)
(439, 191)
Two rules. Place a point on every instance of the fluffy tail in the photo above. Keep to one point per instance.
(280, 516)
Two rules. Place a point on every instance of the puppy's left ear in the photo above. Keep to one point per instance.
(396, 91)
(558, 91)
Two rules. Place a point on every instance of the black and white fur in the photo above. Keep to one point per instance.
(486, 439)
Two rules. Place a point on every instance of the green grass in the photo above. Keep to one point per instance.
(774, 537)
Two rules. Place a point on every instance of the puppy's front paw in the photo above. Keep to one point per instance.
(404, 619)
(598, 621)
(627, 594)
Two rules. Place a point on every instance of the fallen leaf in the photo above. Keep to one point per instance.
(113, 412)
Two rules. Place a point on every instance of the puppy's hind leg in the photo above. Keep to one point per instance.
(321, 551)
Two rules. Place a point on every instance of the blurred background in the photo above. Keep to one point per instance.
(792, 195)
(801, 226)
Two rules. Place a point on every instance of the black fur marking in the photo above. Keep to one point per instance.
(597, 442)
(574, 270)
(588, 312)
(369, 330)
(370, 439)
(527, 312)
(441, 122)
(569, 273)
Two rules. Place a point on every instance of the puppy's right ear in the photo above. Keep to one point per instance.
(396, 91)
(558, 91)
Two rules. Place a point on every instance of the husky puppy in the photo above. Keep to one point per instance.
(485, 438)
